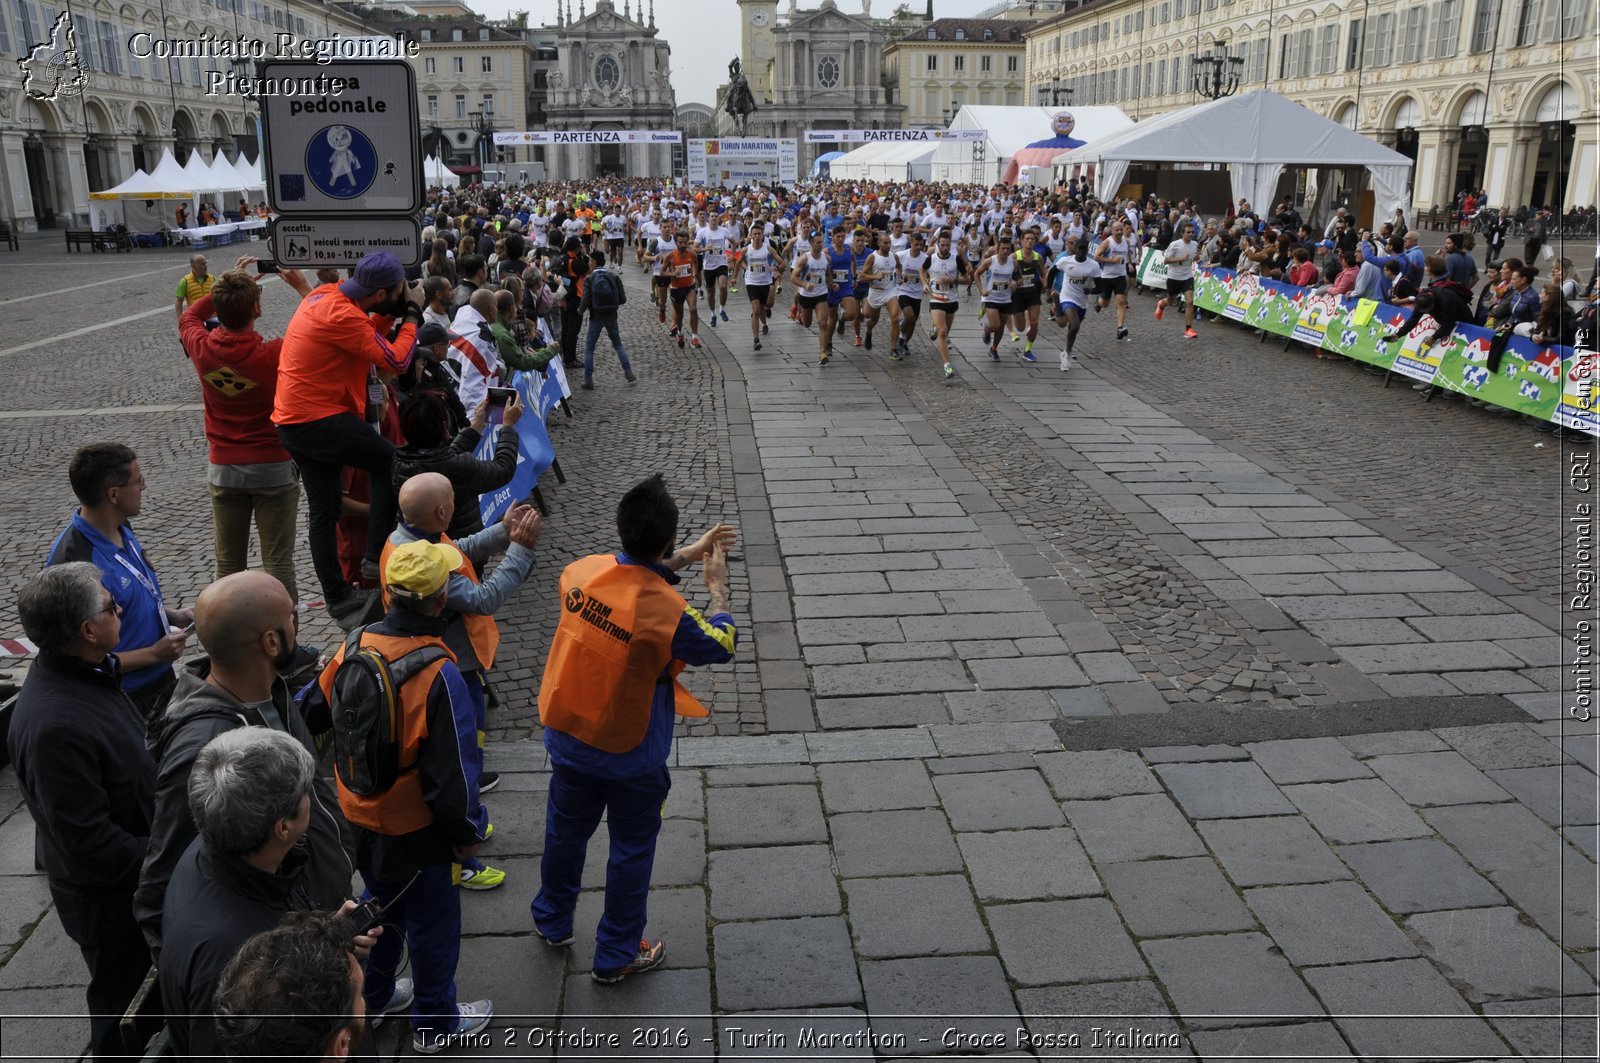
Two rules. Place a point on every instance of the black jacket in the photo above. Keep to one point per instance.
(197, 713)
(77, 744)
(217, 902)
(469, 476)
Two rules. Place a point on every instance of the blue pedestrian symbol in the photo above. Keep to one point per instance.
(341, 161)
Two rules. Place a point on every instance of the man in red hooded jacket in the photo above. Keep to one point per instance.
(251, 475)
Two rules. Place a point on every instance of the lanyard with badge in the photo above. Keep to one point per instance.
(143, 575)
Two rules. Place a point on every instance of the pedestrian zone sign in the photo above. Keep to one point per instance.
(341, 138)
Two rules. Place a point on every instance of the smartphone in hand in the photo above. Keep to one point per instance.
(498, 397)
(266, 265)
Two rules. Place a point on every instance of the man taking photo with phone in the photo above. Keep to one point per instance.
(338, 332)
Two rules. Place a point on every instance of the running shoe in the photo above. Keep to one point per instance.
(674, 330)
(680, 341)
(487, 781)
(725, 310)
(868, 342)
(758, 345)
(794, 313)
(822, 359)
(764, 328)
(471, 1019)
(1189, 333)
(994, 353)
(858, 341)
(1027, 355)
(933, 333)
(713, 319)
(1161, 309)
(695, 342)
(896, 356)
(1066, 361)
(405, 991)
(648, 959)
(1122, 334)
(949, 371)
(1016, 336)
(556, 942)
(483, 877)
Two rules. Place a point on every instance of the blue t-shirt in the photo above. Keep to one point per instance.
(133, 585)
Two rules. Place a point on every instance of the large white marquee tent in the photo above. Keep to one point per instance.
(1256, 134)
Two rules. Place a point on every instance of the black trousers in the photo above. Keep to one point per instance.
(322, 449)
(571, 322)
(112, 946)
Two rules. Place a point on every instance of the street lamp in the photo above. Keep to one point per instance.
(1058, 91)
(483, 126)
(1216, 73)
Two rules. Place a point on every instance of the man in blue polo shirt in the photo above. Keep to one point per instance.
(107, 480)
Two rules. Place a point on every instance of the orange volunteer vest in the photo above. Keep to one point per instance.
(612, 643)
(400, 809)
(482, 631)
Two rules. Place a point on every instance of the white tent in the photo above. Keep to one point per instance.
(1010, 130)
(200, 177)
(172, 177)
(886, 161)
(1257, 134)
(436, 174)
(250, 174)
(224, 175)
(139, 186)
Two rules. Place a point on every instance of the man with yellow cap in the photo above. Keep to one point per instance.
(607, 701)
(408, 784)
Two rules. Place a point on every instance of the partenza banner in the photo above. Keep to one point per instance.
(875, 136)
(1560, 384)
(588, 136)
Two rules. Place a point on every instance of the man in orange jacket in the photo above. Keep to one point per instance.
(607, 703)
(336, 335)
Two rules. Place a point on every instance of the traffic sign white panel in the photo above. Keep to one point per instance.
(320, 242)
(341, 138)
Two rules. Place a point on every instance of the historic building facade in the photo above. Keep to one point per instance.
(132, 104)
(937, 68)
(612, 72)
(1492, 94)
(817, 69)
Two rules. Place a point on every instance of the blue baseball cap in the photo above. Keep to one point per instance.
(376, 272)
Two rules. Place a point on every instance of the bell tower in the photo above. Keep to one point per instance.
(757, 45)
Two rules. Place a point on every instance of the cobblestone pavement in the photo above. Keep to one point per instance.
(996, 763)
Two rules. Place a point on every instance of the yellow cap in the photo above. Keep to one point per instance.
(419, 569)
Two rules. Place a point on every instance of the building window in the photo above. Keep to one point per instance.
(961, 63)
(1571, 18)
(1380, 42)
(455, 35)
(1328, 57)
(488, 64)
(1258, 62)
(1447, 29)
(1352, 51)
(427, 35)
(433, 106)
(933, 63)
(458, 65)
(933, 34)
(483, 33)
(488, 104)
(1483, 26)
(961, 34)
(108, 46)
(1011, 64)
(1416, 22)
(1527, 21)
(828, 71)
(461, 105)
(606, 73)
(988, 35)
(430, 65)
(983, 63)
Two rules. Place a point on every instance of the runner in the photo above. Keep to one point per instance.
(841, 306)
(683, 287)
(941, 273)
(712, 242)
(811, 281)
(1113, 256)
(1025, 293)
(1074, 268)
(909, 297)
(1180, 258)
(665, 244)
(761, 267)
(995, 276)
(881, 275)
(613, 227)
(860, 252)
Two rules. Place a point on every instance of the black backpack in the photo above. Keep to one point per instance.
(605, 291)
(366, 712)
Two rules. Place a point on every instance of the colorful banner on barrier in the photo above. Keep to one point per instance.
(540, 393)
(1551, 383)
(587, 136)
(893, 136)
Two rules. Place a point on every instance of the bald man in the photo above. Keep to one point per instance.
(246, 623)
(474, 350)
(427, 502)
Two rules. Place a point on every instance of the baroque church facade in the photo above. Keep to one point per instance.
(817, 69)
(612, 73)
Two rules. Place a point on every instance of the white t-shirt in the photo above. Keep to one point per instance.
(911, 273)
(813, 274)
(714, 238)
(882, 265)
(1117, 250)
(661, 249)
(759, 263)
(943, 274)
(1073, 275)
(1180, 258)
(612, 226)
